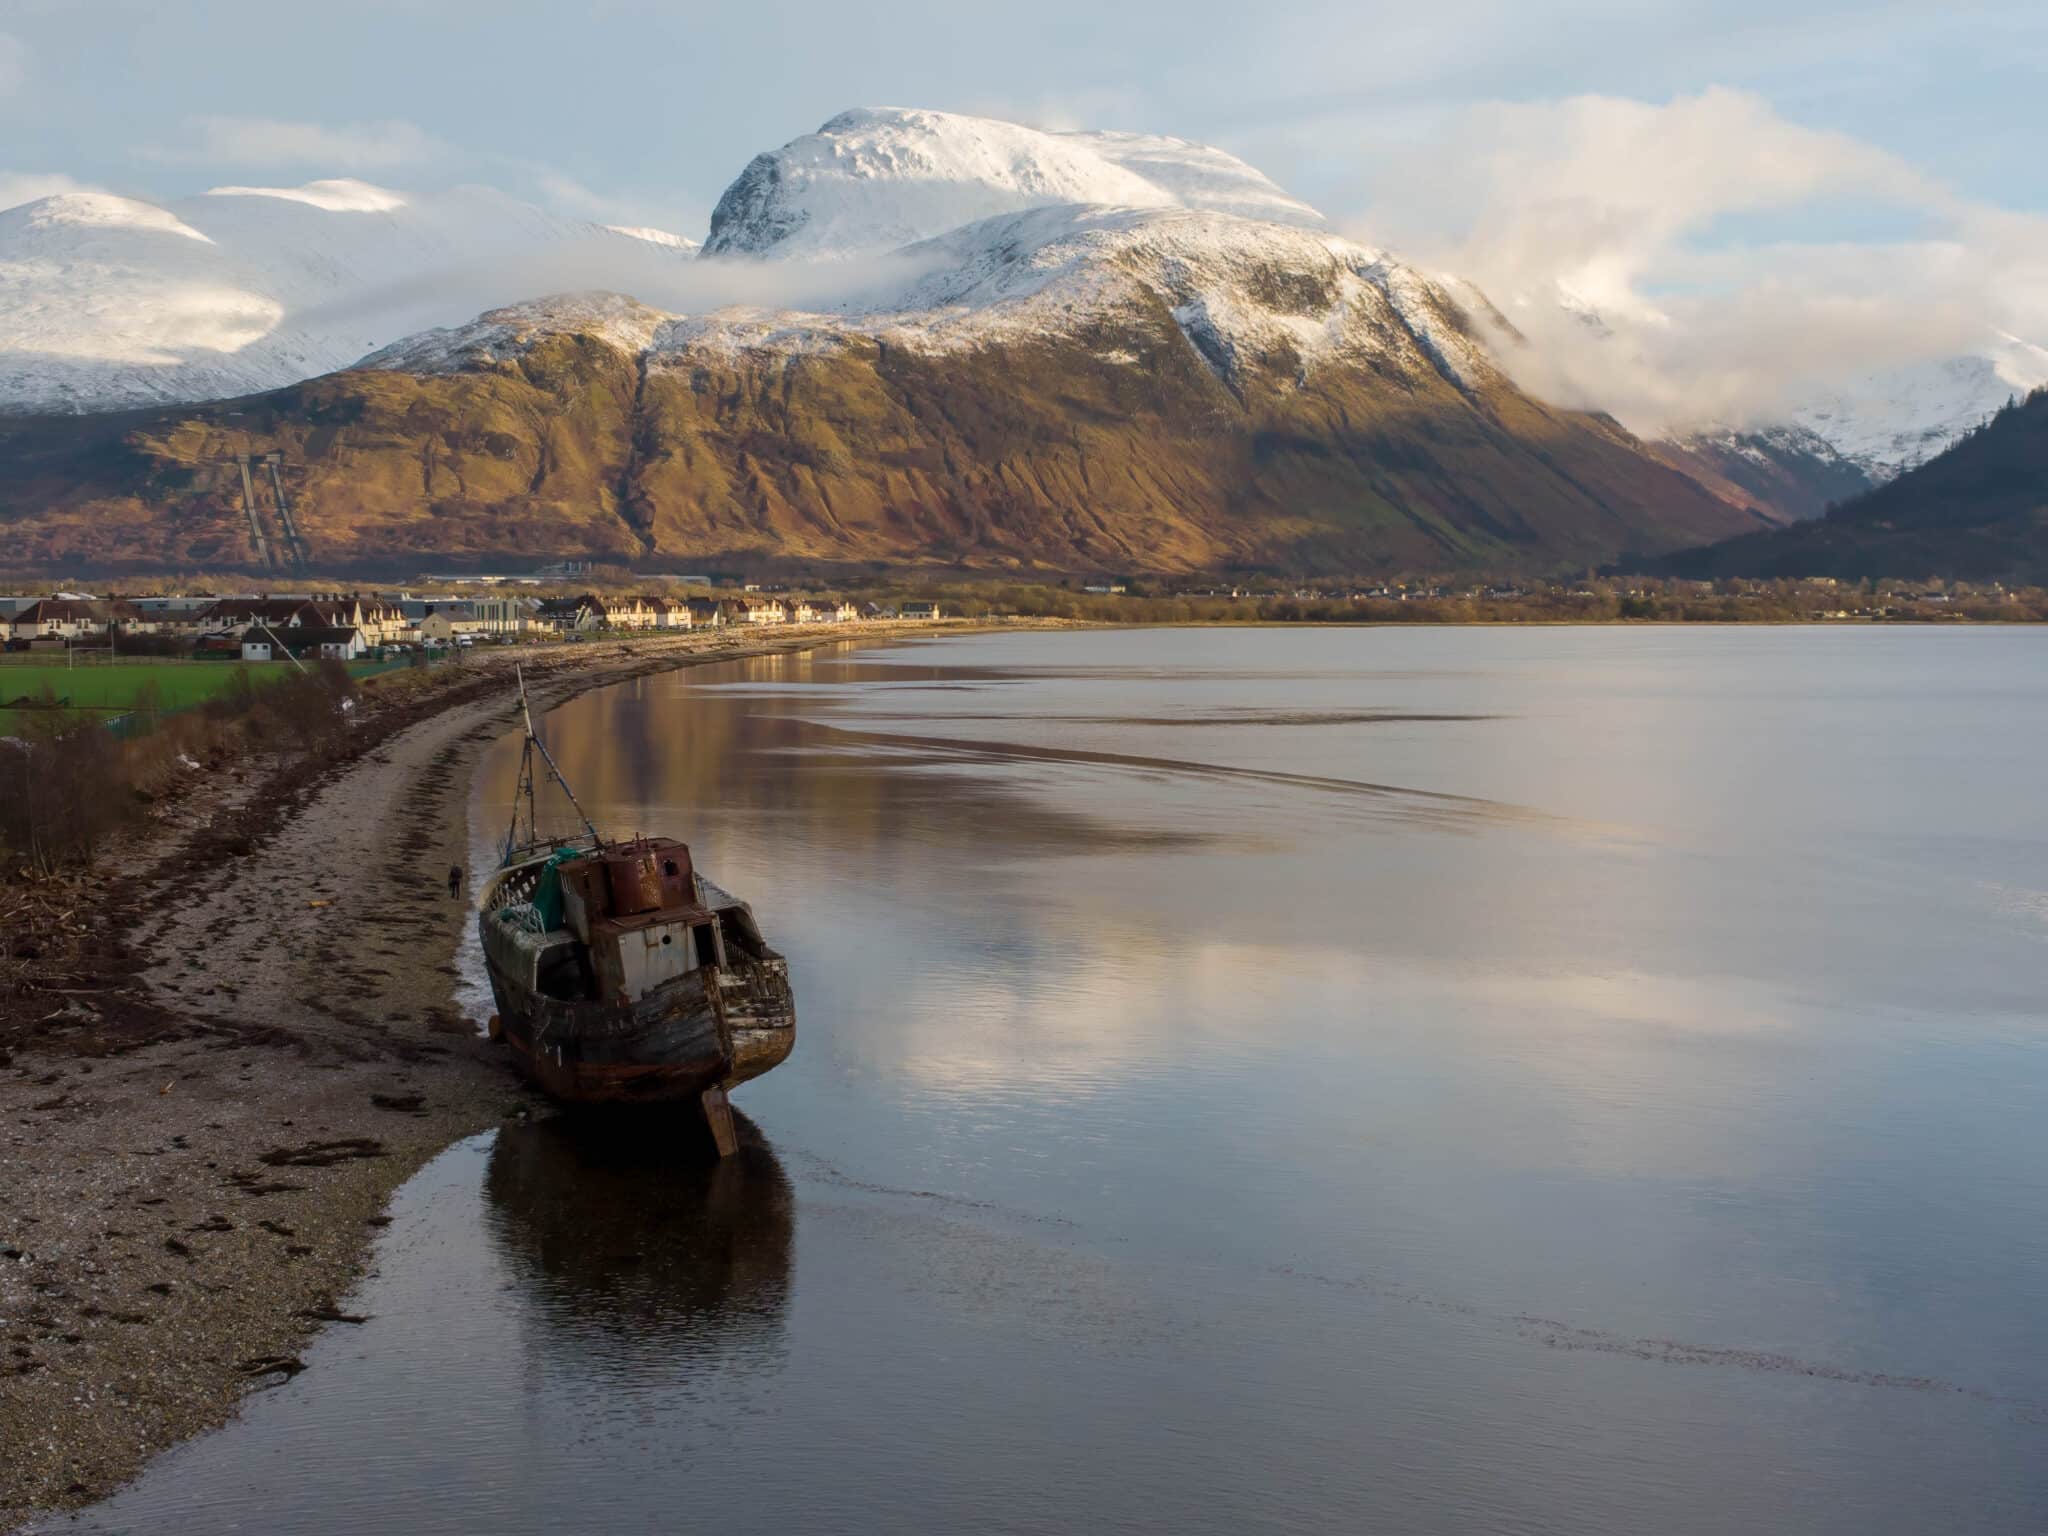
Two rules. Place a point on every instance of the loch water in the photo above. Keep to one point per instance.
(1535, 1080)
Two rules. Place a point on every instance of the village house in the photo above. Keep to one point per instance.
(383, 622)
(235, 615)
(171, 615)
(437, 625)
(504, 615)
(570, 614)
(920, 610)
(670, 613)
(757, 610)
(839, 610)
(307, 642)
(68, 618)
(438, 620)
(705, 613)
(629, 613)
(802, 611)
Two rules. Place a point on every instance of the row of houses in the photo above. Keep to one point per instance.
(404, 620)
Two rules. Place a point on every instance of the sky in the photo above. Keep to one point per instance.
(1866, 170)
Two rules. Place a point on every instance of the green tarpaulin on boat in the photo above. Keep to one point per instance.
(547, 891)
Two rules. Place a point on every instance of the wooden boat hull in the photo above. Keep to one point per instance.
(670, 1045)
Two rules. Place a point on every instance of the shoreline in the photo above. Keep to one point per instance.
(184, 1209)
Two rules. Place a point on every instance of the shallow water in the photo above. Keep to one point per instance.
(1553, 1080)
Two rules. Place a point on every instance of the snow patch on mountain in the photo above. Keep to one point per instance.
(108, 302)
(89, 212)
(1890, 421)
(878, 178)
(650, 236)
(1241, 293)
(502, 335)
(1238, 290)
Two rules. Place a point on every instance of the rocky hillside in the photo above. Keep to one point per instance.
(1787, 474)
(1977, 512)
(596, 428)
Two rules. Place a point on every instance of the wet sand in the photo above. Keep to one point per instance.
(177, 1216)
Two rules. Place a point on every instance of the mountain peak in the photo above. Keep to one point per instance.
(877, 178)
(102, 210)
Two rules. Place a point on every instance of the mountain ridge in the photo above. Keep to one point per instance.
(1216, 378)
(594, 427)
(1978, 511)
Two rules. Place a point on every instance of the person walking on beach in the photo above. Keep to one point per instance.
(454, 882)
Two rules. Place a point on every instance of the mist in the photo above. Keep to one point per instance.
(662, 277)
(1621, 239)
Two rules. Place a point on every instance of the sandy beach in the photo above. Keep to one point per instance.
(193, 1173)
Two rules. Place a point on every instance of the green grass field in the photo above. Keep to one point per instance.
(111, 687)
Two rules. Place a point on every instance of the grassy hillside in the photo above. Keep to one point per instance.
(1060, 456)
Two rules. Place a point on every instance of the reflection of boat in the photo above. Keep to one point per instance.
(616, 1229)
(620, 973)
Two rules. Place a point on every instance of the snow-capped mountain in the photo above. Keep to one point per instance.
(1838, 445)
(912, 337)
(982, 232)
(108, 301)
(1890, 421)
(1241, 293)
(879, 178)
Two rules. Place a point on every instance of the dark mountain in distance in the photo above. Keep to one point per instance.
(1976, 512)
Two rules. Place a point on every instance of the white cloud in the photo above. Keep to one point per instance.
(1067, 111)
(265, 141)
(341, 196)
(566, 194)
(1635, 212)
(13, 63)
(18, 187)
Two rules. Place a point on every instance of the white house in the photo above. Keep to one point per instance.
(757, 610)
(633, 612)
(64, 618)
(338, 642)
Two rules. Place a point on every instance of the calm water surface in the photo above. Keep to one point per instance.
(1467, 1080)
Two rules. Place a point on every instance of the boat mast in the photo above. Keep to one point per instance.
(526, 786)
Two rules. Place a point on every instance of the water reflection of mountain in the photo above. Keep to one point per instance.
(702, 757)
(631, 1246)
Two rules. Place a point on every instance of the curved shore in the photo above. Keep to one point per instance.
(180, 1214)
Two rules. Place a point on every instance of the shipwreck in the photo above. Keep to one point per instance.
(621, 973)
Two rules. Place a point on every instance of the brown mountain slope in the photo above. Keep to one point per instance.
(1060, 454)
